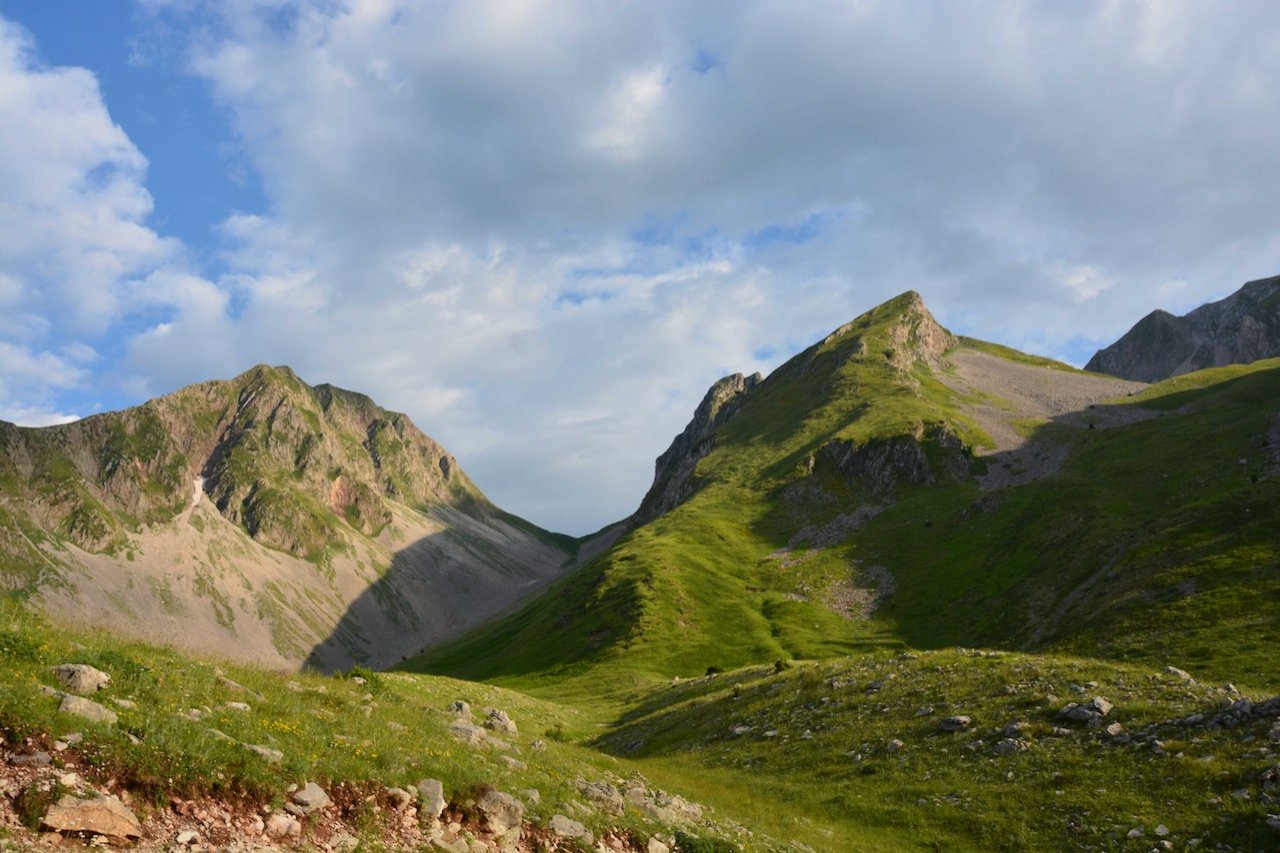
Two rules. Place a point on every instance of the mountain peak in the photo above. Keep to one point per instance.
(1239, 329)
(913, 335)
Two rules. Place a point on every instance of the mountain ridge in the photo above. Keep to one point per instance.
(1239, 329)
(291, 523)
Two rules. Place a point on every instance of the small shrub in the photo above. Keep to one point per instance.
(780, 666)
(714, 670)
(33, 802)
(371, 679)
(557, 733)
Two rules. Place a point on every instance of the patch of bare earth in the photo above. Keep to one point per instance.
(1012, 399)
(858, 597)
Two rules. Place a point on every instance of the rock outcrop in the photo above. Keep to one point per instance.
(1240, 329)
(673, 471)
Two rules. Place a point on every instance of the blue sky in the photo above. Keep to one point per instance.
(543, 229)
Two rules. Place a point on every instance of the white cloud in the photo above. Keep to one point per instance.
(76, 255)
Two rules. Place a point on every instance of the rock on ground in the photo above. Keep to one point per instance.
(105, 816)
(502, 815)
(466, 732)
(87, 709)
(311, 798)
(499, 721)
(81, 678)
(431, 791)
(571, 828)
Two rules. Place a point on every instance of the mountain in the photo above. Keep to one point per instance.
(1242, 328)
(896, 486)
(263, 519)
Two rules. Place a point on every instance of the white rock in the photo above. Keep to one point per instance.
(81, 678)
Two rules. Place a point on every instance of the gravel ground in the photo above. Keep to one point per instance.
(1016, 392)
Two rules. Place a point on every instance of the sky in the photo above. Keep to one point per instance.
(543, 229)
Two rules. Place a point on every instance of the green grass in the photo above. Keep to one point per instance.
(391, 730)
(820, 741)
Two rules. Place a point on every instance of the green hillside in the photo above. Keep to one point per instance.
(840, 509)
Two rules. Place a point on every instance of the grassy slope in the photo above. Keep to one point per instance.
(820, 739)
(389, 731)
(696, 587)
(1154, 542)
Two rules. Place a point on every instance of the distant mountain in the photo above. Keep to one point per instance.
(1240, 329)
(261, 518)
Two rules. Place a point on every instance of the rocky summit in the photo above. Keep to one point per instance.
(1242, 328)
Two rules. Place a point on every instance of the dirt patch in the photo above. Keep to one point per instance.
(858, 597)
(822, 536)
(1011, 400)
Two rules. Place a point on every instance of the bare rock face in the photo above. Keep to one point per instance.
(674, 468)
(1240, 329)
(105, 816)
(879, 466)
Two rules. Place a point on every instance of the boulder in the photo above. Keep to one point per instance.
(460, 708)
(570, 828)
(957, 723)
(602, 794)
(1090, 712)
(105, 816)
(501, 814)
(1180, 674)
(87, 709)
(499, 721)
(400, 799)
(311, 798)
(274, 756)
(431, 791)
(466, 732)
(81, 678)
(281, 825)
(1010, 746)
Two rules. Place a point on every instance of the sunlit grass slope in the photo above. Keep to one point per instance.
(1156, 540)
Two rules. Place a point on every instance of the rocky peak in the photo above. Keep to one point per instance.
(673, 469)
(293, 465)
(1239, 329)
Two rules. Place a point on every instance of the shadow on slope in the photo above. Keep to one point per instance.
(1154, 540)
(438, 586)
